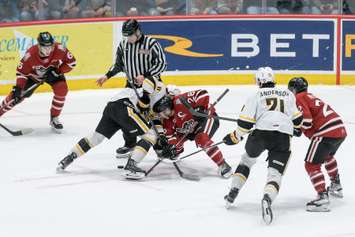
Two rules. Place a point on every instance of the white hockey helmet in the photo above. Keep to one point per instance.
(264, 75)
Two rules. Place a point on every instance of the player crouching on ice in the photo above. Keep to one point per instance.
(47, 62)
(273, 113)
(180, 125)
(324, 127)
(120, 113)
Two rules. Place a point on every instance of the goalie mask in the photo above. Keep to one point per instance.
(298, 84)
(45, 44)
(265, 76)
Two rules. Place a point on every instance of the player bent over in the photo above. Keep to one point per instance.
(47, 62)
(120, 113)
(180, 125)
(272, 111)
(324, 127)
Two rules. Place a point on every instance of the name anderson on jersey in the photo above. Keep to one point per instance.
(274, 92)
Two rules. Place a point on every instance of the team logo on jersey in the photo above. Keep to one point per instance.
(40, 70)
(181, 115)
(187, 127)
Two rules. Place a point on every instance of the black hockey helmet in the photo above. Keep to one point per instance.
(45, 39)
(164, 103)
(298, 84)
(130, 27)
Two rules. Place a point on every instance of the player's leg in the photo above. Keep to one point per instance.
(203, 139)
(60, 90)
(129, 143)
(106, 128)
(278, 145)
(335, 189)
(253, 148)
(317, 152)
(136, 125)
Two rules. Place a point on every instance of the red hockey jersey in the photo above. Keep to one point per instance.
(319, 119)
(182, 122)
(32, 65)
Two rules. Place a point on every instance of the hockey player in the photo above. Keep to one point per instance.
(324, 127)
(180, 125)
(120, 113)
(273, 113)
(47, 62)
(139, 56)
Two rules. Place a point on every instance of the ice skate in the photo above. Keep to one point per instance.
(123, 152)
(230, 197)
(266, 209)
(321, 204)
(225, 170)
(56, 125)
(66, 162)
(335, 189)
(132, 171)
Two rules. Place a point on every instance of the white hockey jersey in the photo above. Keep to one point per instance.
(272, 109)
(155, 88)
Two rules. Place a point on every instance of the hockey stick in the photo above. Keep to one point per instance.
(203, 115)
(191, 177)
(25, 130)
(198, 151)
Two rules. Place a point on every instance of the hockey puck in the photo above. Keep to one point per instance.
(120, 166)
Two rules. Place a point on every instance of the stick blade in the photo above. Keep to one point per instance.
(26, 131)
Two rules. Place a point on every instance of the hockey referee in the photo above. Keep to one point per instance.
(139, 56)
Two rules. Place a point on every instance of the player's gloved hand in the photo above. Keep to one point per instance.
(162, 140)
(297, 132)
(16, 94)
(159, 145)
(232, 139)
(52, 75)
(169, 152)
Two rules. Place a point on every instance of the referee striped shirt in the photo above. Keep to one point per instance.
(145, 57)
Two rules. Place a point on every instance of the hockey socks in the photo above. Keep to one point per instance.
(316, 176)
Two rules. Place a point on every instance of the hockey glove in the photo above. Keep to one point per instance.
(297, 132)
(16, 94)
(162, 141)
(169, 152)
(52, 75)
(232, 139)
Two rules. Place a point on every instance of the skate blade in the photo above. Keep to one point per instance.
(57, 131)
(228, 205)
(336, 194)
(60, 170)
(323, 208)
(133, 176)
(266, 212)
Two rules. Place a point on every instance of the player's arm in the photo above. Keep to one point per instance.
(119, 64)
(68, 61)
(148, 87)
(307, 122)
(297, 117)
(159, 60)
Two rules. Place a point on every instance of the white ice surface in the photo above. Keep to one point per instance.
(93, 199)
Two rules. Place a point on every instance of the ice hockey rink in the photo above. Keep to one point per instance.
(93, 199)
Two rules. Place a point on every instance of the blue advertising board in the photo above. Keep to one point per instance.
(246, 44)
